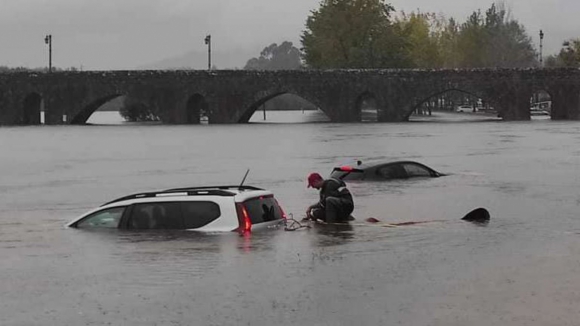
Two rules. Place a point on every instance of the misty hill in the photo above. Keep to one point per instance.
(232, 59)
(235, 59)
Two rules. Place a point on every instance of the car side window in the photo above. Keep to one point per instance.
(199, 213)
(107, 218)
(159, 215)
(392, 171)
(414, 170)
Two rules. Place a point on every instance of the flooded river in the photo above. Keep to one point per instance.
(521, 269)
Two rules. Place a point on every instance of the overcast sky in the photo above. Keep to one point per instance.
(125, 34)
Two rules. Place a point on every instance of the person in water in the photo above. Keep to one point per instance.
(335, 204)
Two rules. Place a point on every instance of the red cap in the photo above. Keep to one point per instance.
(313, 178)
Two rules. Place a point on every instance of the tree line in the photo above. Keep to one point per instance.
(371, 34)
(37, 69)
(569, 55)
(359, 34)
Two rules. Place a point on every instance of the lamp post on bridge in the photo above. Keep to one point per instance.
(541, 55)
(48, 40)
(208, 43)
(537, 94)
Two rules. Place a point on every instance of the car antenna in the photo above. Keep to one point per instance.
(244, 179)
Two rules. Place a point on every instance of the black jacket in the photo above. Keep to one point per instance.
(334, 188)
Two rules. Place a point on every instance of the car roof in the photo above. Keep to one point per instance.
(366, 165)
(242, 192)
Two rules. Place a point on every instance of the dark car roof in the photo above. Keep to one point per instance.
(366, 165)
(369, 170)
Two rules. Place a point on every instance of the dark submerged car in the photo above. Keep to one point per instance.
(384, 171)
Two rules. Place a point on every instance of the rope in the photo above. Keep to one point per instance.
(292, 225)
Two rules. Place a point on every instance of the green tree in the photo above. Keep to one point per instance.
(552, 61)
(447, 35)
(569, 55)
(471, 42)
(353, 34)
(137, 112)
(507, 43)
(274, 57)
(492, 39)
(422, 39)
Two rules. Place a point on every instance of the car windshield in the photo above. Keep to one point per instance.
(415, 170)
(107, 218)
(392, 171)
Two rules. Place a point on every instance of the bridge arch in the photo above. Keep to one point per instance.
(367, 107)
(264, 97)
(31, 108)
(85, 113)
(541, 102)
(424, 100)
(197, 109)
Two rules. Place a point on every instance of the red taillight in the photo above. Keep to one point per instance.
(244, 219)
(281, 210)
(346, 168)
(247, 221)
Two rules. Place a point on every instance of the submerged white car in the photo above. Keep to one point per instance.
(239, 209)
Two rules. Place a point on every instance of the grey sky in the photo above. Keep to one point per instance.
(125, 34)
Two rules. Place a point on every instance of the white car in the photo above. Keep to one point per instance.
(240, 209)
(536, 110)
(465, 108)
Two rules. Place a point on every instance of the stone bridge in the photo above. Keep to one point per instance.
(233, 96)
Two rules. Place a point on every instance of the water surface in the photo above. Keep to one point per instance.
(522, 269)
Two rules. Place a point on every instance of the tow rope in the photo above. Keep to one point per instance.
(478, 216)
(292, 225)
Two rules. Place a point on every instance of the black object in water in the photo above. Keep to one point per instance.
(478, 215)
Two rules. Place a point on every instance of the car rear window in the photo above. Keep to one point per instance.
(199, 213)
(414, 170)
(263, 209)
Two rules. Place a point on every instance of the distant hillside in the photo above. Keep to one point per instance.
(234, 59)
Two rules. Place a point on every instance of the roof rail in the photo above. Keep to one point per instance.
(238, 187)
(190, 191)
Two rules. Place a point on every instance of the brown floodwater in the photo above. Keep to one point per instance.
(520, 269)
